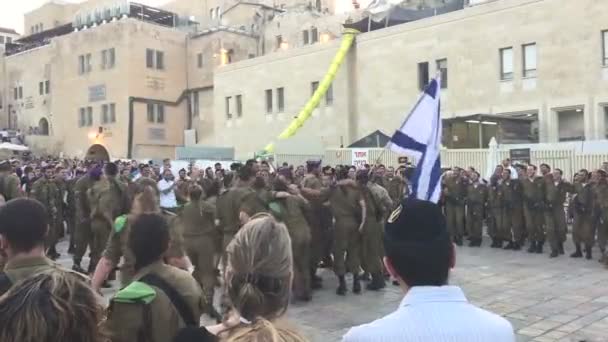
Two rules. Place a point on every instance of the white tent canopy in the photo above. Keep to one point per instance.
(13, 147)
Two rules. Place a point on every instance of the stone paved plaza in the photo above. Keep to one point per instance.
(545, 299)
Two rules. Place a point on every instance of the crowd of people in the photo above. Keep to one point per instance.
(525, 203)
(260, 232)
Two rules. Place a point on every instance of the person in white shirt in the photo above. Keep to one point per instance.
(166, 187)
(419, 254)
(507, 165)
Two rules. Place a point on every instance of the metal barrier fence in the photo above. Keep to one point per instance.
(569, 161)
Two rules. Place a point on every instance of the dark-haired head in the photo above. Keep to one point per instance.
(148, 239)
(23, 225)
(110, 170)
(418, 248)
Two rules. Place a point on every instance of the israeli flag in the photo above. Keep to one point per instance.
(420, 138)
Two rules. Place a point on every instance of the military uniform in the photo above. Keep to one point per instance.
(21, 268)
(200, 242)
(371, 237)
(455, 193)
(107, 200)
(495, 203)
(582, 231)
(555, 216)
(10, 187)
(228, 223)
(45, 191)
(397, 189)
(181, 190)
(318, 234)
(293, 209)
(145, 312)
(82, 233)
(512, 226)
(70, 212)
(534, 200)
(117, 245)
(57, 230)
(600, 216)
(477, 195)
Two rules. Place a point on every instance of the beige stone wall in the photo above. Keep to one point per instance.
(251, 78)
(383, 72)
(50, 15)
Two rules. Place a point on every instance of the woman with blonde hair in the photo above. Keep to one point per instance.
(258, 276)
(145, 202)
(51, 306)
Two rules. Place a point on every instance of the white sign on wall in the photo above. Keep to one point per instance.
(360, 157)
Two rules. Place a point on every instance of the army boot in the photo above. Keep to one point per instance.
(532, 247)
(356, 284)
(588, 255)
(377, 283)
(539, 247)
(561, 248)
(341, 290)
(578, 253)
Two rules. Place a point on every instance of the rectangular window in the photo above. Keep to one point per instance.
(423, 75)
(506, 64)
(605, 48)
(305, 38)
(81, 65)
(329, 96)
(47, 87)
(313, 87)
(104, 58)
(1, 39)
(149, 58)
(9, 40)
(442, 67)
(89, 116)
(279, 41)
(280, 100)
(88, 62)
(111, 58)
(20, 92)
(228, 112)
(16, 93)
(199, 59)
(81, 117)
(160, 60)
(239, 106)
(112, 112)
(150, 108)
(195, 104)
(104, 114)
(160, 113)
(529, 52)
(314, 35)
(268, 101)
(41, 88)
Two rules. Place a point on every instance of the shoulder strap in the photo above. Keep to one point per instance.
(5, 283)
(178, 301)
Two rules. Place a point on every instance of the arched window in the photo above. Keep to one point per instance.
(43, 127)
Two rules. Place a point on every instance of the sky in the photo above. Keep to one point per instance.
(11, 11)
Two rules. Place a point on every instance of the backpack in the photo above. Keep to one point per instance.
(142, 292)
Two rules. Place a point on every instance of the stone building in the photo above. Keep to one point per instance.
(117, 77)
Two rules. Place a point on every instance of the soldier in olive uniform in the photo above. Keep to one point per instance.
(146, 309)
(396, 186)
(292, 209)
(45, 191)
(371, 233)
(600, 211)
(512, 230)
(477, 195)
(57, 230)
(556, 190)
(200, 237)
(107, 200)
(23, 226)
(312, 181)
(455, 193)
(534, 195)
(582, 230)
(70, 211)
(494, 214)
(82, 233)
(182, 184)
(9, 183)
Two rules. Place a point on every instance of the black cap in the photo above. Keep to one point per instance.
(415, 222)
